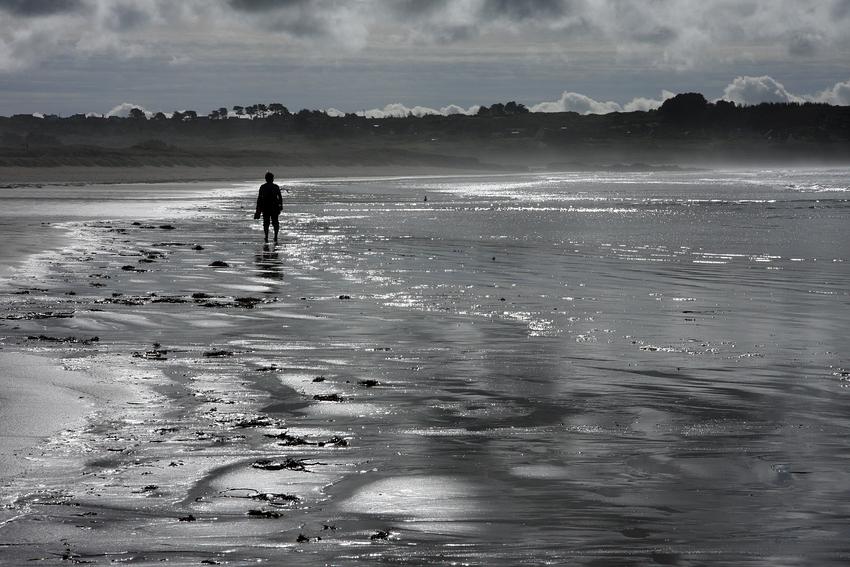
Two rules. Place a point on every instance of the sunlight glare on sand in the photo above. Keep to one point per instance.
(417, 498)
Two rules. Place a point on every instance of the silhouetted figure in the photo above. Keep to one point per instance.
(269, 205)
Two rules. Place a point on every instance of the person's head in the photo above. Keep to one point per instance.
(269, 177)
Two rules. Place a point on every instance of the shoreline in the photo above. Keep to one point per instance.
(13, 177)
(19, 244)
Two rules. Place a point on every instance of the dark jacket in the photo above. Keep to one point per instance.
(269, 200)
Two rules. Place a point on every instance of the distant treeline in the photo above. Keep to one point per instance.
(502, 132)
(277, 109)
(687, 114)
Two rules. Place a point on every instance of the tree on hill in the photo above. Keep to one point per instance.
(688, 109)
(279, 109)
(302, 119)
(512, 108)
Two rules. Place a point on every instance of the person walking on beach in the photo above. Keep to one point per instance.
(269, 205)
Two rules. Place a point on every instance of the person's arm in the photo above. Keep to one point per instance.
(257, 212)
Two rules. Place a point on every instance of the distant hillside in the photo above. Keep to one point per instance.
(686, 131)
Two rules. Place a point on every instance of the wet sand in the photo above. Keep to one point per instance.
(418, 392)
(115, 414)
(24, 423)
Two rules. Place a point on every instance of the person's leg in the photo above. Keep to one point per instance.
(276, 223)
(266, 221)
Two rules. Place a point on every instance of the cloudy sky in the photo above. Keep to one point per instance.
(383, 56)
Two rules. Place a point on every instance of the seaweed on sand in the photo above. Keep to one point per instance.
(328, 398)
(70, 339)
(380, 535)
(118, 299)
(287, 439)
(257, 421)
(285, 464)
(267, 514)
(156, 353)
(291, 440)
(270, 498)
(169, 299)
(247, 302)
(42, 315)
(217, 353)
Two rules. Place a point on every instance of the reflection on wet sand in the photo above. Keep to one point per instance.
(269, 263)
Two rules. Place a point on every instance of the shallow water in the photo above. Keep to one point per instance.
(538, 369)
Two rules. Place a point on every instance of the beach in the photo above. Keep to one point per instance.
(426, 368)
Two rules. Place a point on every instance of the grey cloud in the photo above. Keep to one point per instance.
(266, 5)
(125, 17)
(39, 7)
(452, 34)
(668, 33)
(301, 19)
(415, 8)
(527, 10)
(804, 45)
(481, 11)
(659, 35)
(446, 22)
(841, 10)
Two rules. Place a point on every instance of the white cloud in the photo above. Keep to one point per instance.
(398, 110)
(836, 95)
(754, 90)
(394, 110)
(644, 104)
(575, 102)
(123, 110)
(455, 109)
